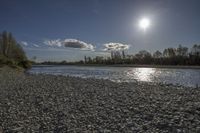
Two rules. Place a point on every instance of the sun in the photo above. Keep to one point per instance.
(144, 23)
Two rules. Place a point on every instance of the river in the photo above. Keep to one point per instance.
(184, 77)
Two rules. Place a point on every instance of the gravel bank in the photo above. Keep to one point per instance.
(47, 103)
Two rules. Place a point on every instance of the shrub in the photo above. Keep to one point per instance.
(25, 64)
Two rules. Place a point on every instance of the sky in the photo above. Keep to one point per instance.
(71, 29)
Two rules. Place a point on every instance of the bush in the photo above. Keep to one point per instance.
(25, 64)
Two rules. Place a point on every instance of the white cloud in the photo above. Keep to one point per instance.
(24, 43)
(115, 46)
(36, 45)
(70, 43)
(57, 42)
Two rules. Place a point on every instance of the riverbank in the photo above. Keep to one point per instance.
(128, 65)
(32, 103)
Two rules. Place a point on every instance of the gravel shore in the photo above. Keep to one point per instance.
(47, 103)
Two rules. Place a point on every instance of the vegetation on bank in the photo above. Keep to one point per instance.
(169, 56)
(11, 53)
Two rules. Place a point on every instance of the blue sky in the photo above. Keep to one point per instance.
(96, 22)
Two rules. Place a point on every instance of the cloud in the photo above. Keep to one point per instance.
(73, 43)
(24, 43)
(70, 43)
(57, 42)
(115, 46)
(30, 45)
(36, 45)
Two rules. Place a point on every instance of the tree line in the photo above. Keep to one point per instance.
(169, 56)
(11, 53)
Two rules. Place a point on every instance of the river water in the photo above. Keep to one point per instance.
(184, 77)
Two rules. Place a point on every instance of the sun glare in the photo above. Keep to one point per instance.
(144, 23)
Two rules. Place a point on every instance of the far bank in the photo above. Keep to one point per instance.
(123, 65)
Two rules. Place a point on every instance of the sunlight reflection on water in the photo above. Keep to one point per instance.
(142, 74)
(186, 77)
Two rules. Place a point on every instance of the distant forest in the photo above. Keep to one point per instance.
(11, 53)
(169, 56)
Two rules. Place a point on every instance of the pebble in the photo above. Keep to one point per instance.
(49, 103)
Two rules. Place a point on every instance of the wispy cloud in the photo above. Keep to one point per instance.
(57, 42)
(35, 45)
(115, 46)
(29, 45)
(70, 43)
(24, 43)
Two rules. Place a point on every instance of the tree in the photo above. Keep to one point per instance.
(143, 57)
(195, 50)
(169, 52)
(5, 43)
(143, 54)
(11, 50)
(34, 58)
(85, 59)
(182, 51)
(123, 54)
(1, 45)
(157, 54)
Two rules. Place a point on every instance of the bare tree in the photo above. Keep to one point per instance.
(157, 54)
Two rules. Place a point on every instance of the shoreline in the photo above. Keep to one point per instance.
(127, 65)
(50, 103)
